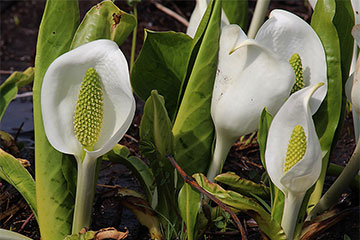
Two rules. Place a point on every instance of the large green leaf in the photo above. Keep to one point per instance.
(156, 143)
(246, 205)
(277, 197)
(9, 88)
(161, 66)
(104, 21)
(138, 167)
(193, 128)
(14, 173)
(58, 25)
(330, 19)
(237, 12)
(189, 205)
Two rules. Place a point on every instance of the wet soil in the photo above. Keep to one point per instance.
(19, 27)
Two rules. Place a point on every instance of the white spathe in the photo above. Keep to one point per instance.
(302, 175)
(198, 13)
(254, 74)
(60, 90)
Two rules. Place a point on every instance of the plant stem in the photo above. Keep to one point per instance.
(84, 194)
(333, 193)
(258, 17)
(133, 45)
(222, 147)
(291, 211)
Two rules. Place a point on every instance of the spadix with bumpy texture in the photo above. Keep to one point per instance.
(295, 62)
(89, 110)
(296, 148)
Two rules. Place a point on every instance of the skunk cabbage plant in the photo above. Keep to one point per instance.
(87, 106)
(293, 153)
(253, 74)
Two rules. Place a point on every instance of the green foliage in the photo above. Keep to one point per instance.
(237, 12)
(189, 205)
(334, 33)
(53, 192)
(193, 128)
(14, 173)
(120, 154)
(156, 143)
(244, 204)
(161, 65)
(243, 186)
(104, 21)
(9, 88)
(6, 234)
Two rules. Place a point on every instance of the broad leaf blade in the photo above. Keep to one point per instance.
(328, 117)
(14, 173)
(161, 66)
(193, 128)
(104, 21)
(246, 205)
(57, 28)
(189, 205)
(9, 88)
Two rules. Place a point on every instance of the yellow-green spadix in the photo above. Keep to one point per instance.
(293, 153)
(60, 93)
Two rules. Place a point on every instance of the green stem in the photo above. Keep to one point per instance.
(291, 211)
(333, 193)
(133, 45)
(84, 193)
(222, 147)
(258, 17)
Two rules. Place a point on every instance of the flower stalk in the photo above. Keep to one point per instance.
(258, 18)
(85, 193)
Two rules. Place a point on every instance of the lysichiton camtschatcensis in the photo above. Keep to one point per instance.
(293, 153)
(285, 56)
(87, 106)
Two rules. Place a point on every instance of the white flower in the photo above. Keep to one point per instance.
(293, 153)
(60, 91)
(253, 74)
(87, 106)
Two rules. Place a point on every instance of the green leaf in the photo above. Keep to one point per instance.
(243, 186)
(189, 205)
(14, 173)
(119, 154)
(155, 144)
(329, 20)
(161, 65)
(57, 28)
(246, 205)
(104, 21)
(277, 197)
(237, 12)
(6, 234)
(193, 128)
(9, 88)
